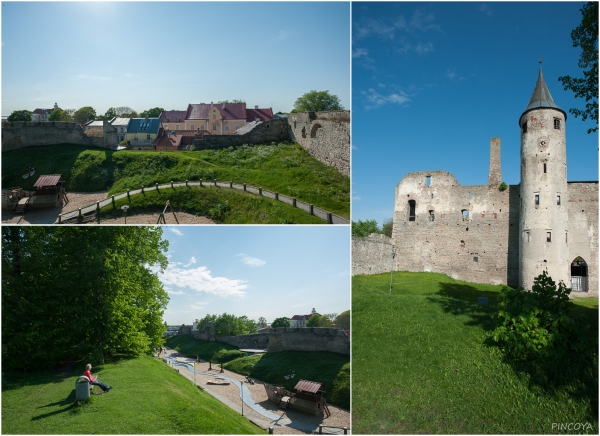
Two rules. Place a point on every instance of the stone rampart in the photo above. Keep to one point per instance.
(26, 134)
(325, 135)
(258, 340)
(273, 130)
(371, 255)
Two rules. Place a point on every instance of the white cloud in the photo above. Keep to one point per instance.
(424, 48)
(200, 280)
(199, 305)
(377, 100)
(176, 231)
(450, 73)
(359, 52)
(192, 261)
(486, 9)
(283, 34)
(249, 260)
(169, 291)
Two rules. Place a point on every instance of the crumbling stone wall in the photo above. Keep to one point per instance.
(480, 247)
(325, 135)
(26, 134)
(266, 131)
(583, 228)
(371, 255)
(257, 340)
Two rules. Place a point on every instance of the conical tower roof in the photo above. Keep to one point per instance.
(541, 97)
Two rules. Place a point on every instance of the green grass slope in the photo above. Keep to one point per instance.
(330, 369)
(222, 205)
(283, 167)
(148, 398)
(422, 363)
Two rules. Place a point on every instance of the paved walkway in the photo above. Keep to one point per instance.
(309, 208)
(271, 419)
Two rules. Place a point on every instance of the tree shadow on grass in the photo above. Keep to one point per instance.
(462, 299)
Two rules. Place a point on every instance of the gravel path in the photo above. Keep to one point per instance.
(230, 396)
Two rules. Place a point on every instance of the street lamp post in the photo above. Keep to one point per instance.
(124, 209)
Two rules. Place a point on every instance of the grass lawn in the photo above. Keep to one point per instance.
(423, 363)
(222, 205)
(148, 398)
(283, 167)
(330, 369)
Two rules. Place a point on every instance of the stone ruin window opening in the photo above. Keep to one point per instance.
(548, 236)
(476, 259)
(412, 206)
(528, 235)
(428, 180)
(558, 200)
(557, 123)
(579, 275)
(462, 244)
(465, 214)
(566, 237)
(313, 131)
(524, 127)
(304, 132)
(469, 195)
(431, 216)
(537, 199)
(294, 124)
(544, 168)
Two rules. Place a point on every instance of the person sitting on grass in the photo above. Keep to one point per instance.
(93, 381)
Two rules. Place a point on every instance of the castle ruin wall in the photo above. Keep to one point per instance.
(372, 255)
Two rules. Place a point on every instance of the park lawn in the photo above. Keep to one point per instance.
(148, 398)
(423, 363)
(222, 205)
(330, 369)
(282, 167)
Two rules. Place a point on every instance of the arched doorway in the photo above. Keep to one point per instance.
(579, 275)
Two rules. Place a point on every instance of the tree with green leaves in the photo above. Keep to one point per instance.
(59, 115)
(388, 227)
(206, 319)
(262, 322)
(342, 321)
(152, 113)
(84, 114)
(23, 115)
(363, 229)
(586, 37)
(315, 101)
(281, 322)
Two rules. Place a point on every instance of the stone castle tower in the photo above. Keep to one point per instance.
(543, 224)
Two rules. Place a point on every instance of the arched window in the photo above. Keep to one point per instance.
(579, 275)
(465, 214)
(304, 132)
(412, 204)
(313, 131)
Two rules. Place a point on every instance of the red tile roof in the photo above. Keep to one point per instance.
(43, 111)
(308, 386)
(172, 116)
(301, 317)
(167, 141)
(47, 180)
(263, 114)
(232, 111)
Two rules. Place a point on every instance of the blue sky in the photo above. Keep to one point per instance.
(148, 54)
(268, 271)
(433, 82)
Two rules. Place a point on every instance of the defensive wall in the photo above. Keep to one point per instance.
(253, 133)
(26, 134)
(371, 255)
(280, 339)
(325, 135)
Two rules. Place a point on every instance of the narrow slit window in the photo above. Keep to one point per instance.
(544, 168)
(548, 236)
(462, 244)
(558, 200)
(556, 123)
(412, 204)
(566, 237)
(431, 216)
(524, 127)
(475, 259)
(428, 180)
(537, 199)
(465, 214)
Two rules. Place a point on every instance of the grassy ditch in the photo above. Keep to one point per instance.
(330, 369)
(148, 398)
(423, 362)
(283, 167)
(222, 205)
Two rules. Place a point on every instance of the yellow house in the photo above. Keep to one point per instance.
(141, 132)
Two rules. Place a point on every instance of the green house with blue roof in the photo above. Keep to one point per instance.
(141, 132)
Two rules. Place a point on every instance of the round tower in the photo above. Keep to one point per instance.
(543, 218)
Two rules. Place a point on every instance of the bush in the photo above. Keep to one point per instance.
(538, 324)
(224, 356)
(503, 186)
(362, 229)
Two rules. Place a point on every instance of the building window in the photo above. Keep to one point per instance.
(558, 200)
(465, 214)
(524, 127)
(148, 137)
(431, 216)
(462, 244)
(411, 213)
(166, 126)
(548, 236)
(537, 199)
(237, 126)
(566, 237)
(193, 127)
(214, 127)
(428, 180)
(475, 259)
(226, 126)
(214, 116)
(544, 168)
(176, 126)
(556, 123)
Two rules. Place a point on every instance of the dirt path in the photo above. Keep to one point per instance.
(81, 199)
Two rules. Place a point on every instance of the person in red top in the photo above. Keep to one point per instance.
(93, 381)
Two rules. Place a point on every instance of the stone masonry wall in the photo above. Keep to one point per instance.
(583, 228)
(325, 135)
(273, 130)
(481, 247)
(371, 255)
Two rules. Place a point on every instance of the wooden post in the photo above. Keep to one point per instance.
(97, 207)
(142, 189)
(294, 201)
(157, 186)
(312, 209)
(320, 428)
(270, 430)
(277, 196)
(186, 182)
(244, 186)
(59, 218)
(79, 212)
(260, 190)
(200, 182)
(128, 197)
(113, 202)
(345, 430)
(215, 182)
(231, 184)
(329, 217)
(171, 184)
